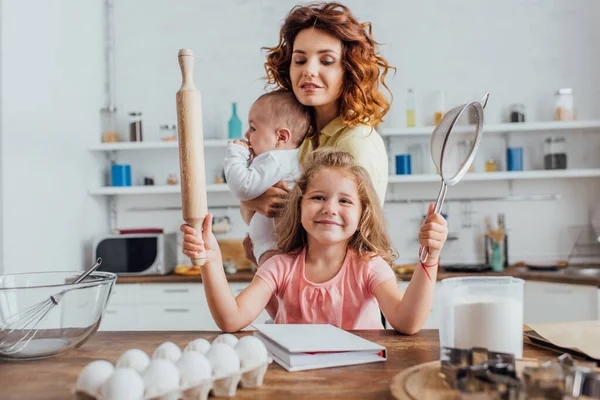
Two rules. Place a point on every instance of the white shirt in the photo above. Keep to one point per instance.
(249, 179)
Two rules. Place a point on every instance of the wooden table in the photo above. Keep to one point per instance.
(53, 378)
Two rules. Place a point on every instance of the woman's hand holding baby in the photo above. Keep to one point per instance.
(433, 234)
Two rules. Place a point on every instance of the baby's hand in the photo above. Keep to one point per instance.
(243, 143)
(433, 234)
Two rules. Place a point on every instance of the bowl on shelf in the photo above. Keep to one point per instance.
(43, 315)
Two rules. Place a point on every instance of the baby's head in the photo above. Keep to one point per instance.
(334, 201)
(277, 121)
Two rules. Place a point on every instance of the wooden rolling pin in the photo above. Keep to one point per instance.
(191, 150)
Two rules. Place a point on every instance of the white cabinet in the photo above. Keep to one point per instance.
(559, 302)
(162, 306)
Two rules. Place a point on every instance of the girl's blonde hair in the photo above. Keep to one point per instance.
(370, 240)
(361, 101)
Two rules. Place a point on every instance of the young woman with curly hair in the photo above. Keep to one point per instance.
(330, 61)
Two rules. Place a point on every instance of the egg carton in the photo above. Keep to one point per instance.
(202, 368)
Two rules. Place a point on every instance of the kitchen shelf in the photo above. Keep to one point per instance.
(502, 175)
(154, 189)
(505, 128)
(417, 178)
(124, 146)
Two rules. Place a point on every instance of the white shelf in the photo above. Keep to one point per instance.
(505, 128)
(154, 189)
(417, 178)
(502, 175)
(121, 146)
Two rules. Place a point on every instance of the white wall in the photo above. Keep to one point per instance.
(52, 75)
(518, 51)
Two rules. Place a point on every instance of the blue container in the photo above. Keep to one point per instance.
(514, 159)
(403, 164)
(120, 175)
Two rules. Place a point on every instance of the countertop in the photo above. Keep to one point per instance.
(517, 272)
(54, 378)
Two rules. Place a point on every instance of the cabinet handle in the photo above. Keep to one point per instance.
(177, 310)
(176, 290)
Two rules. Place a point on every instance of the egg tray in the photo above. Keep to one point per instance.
(476, 372)
(220, 385)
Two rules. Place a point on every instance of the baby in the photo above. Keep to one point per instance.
(278, 124)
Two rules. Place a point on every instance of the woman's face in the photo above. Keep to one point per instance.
(316, 70)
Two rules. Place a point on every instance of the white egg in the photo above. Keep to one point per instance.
(199, 345)
(194, 368)
(223, 360)
(160, 378)
(124, 384)
(226, 338)
(134, 358)
(92, 377)
(252, 352)
(169, 351)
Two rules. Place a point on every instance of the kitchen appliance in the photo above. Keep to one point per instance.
(137, 254)
(461, 124)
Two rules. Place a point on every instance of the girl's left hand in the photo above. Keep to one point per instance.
(433, 234)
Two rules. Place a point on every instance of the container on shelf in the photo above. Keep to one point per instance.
(565, 105)
(108, 122)
(135, 126)
(555, 153)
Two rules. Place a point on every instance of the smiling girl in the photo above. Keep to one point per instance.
(334, 261)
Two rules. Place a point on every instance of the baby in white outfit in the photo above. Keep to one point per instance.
(278, 124)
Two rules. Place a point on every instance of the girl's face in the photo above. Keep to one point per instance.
(316, 70)
(331, 207)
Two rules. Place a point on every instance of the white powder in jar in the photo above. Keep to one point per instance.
(495, 323)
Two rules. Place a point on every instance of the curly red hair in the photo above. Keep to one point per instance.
(361, 100)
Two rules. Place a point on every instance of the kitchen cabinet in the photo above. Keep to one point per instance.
(162, 306)
(559, 302)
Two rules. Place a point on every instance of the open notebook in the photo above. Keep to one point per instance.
(311, 346)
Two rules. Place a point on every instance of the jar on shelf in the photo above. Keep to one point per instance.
(517, 112)
(108, 125)
(555, 153)
(490, 165)
(565, 107)
(135, 127)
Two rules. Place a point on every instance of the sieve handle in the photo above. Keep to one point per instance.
(439, 203)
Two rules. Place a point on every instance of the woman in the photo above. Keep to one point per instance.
(329, 60)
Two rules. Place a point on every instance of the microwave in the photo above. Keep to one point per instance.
(137, 254)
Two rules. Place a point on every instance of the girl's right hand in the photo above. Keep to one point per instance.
(193, 245)
(271, 202)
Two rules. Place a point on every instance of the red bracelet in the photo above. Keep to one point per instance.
(425, 266)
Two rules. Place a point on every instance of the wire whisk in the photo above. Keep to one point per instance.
(19, 329)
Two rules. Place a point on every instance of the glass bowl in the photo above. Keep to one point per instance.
(43, 315)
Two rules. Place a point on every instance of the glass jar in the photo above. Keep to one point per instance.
(490, 165)
(440, 109)
(135, 126)
(555, 153)
(517, 113)
(565, 107)
(410, 109)
(108, 125)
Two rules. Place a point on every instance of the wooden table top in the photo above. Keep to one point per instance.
(54, 378)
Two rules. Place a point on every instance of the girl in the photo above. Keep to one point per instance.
(330, 62)
(335, 259)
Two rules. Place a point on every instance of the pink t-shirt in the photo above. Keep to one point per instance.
(346, 300)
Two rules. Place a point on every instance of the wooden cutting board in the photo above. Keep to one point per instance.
(425, 382)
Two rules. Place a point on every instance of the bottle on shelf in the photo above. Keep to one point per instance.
(235, 125)
(108, 119)
(410, 109)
